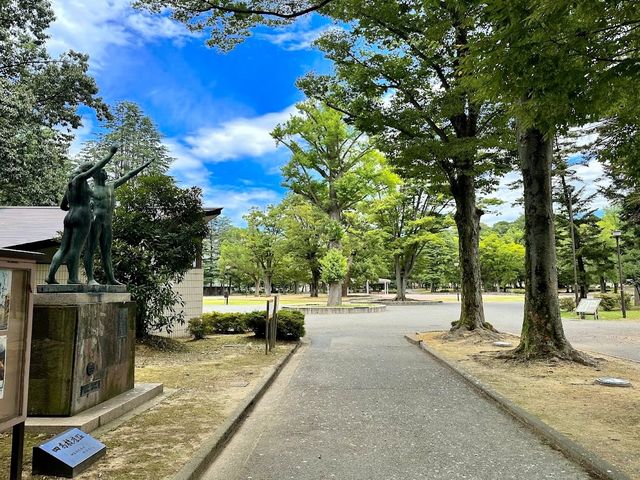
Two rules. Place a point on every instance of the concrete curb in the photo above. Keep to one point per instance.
(335, 310)
(591, 462)
(211, 448)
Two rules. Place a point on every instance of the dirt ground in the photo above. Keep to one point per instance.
(605, 420)
(210, 377)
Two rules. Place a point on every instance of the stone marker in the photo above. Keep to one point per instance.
(67, 454)
(613, 382)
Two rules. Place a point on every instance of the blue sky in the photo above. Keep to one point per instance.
(216, 110)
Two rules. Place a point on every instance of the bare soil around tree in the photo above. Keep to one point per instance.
(605, 420)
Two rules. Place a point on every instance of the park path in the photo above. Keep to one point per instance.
(359, 402)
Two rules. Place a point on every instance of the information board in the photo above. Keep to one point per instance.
(16, 305)
(589, 306)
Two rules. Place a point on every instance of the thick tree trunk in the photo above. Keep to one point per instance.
(636, 295)
(542, 332)
(335, 295)
(467, 220)
(401, 281)
(267, 285)
(257, 287)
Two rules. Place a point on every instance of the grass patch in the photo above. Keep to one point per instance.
(633, 314)
(604, 420)
(212, 376)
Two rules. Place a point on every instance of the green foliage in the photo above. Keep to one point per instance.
(138, 138)
(197, 328)
(611, 301)
(157, 229)
(39, 100)
(334, 266)
(218, 230)
(502, 261)
(567, 304)
(290, 325)
(332, 164)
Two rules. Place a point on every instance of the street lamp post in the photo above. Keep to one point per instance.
(617, 234)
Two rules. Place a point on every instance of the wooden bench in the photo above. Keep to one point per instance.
(588, 306)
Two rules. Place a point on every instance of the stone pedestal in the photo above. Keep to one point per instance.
(82, 348)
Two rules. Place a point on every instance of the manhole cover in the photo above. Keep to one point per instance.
(502, 344)
(613, 382)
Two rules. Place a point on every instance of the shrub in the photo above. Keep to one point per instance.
(290, 324)
(228, 323)
(567, 304)
(611, 301)
(197, 328)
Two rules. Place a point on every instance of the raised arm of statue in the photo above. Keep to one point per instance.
(98, 165)
(125, 178)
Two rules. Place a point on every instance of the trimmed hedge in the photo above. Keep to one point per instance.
(567, 304)
(611, 301)
(290, 324)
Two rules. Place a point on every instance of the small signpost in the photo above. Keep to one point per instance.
(588, 306)
(67, 454)
(271, 326)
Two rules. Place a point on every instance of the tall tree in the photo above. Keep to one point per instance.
(157, 233)
(398, 75)
(138, 138)
(39, 100)
(332, 165)
(553, 64)
(218, 229)
(306, 230)
(264, 240)
(236, 259)
(410, 215)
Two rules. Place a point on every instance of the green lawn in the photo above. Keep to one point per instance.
(322, 299)
(613, 315)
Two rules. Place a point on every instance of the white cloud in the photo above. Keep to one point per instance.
(298, 36)
(237, 138)
(92, 27)
(591, 177)
(81, 135)
(238, 201)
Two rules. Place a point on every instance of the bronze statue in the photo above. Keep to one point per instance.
(104, 202)
(77, 223)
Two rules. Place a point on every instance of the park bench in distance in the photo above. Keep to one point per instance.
(588, 306)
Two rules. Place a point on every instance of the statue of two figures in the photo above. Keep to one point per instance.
(88, 221)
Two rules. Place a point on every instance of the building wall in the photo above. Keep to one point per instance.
(190, 289)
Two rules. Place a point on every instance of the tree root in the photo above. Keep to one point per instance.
(569, 354)
(461, 330)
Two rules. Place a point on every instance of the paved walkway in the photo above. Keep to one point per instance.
(360, 402)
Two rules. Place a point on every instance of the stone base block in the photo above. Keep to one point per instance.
(82, 352)
(99, 415)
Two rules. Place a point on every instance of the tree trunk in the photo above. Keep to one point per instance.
(603, 284)
(315, 282)
(257, 287)
(401, 281)
(542, 332)
(345, 285)
(636, 295)
(335, 295)
(267, 285)
(467, 220)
